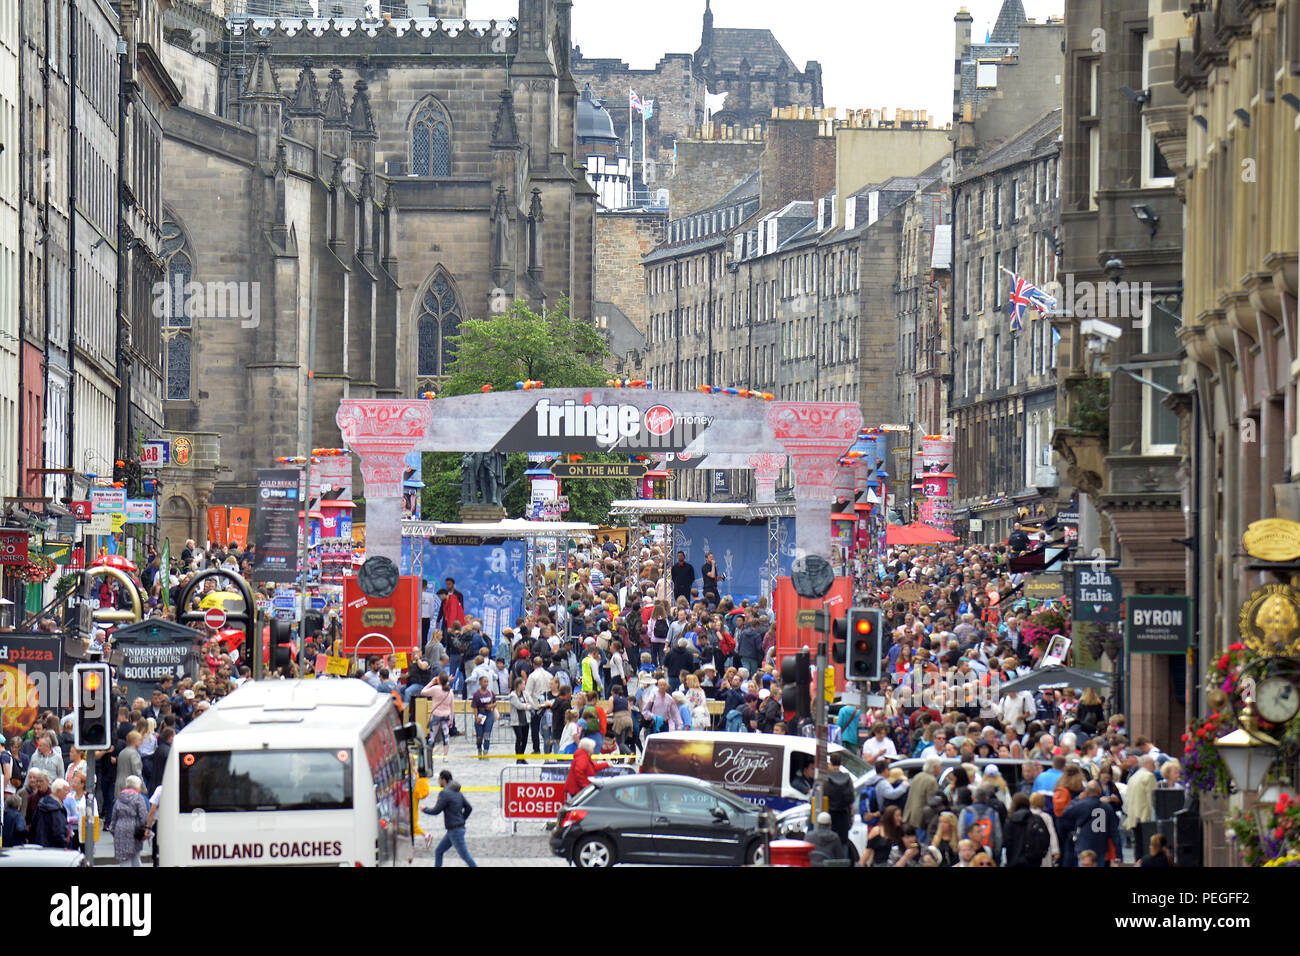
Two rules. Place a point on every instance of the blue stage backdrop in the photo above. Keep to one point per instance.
(740, 548)
(491, 576)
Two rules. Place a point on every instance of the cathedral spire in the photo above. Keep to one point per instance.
(505, 132)
(362, 119)
(336, 106)
(306, 98)
(261, 78)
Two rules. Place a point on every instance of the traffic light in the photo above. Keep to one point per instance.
(839, 639)
(863, 625)
(91, 727)
(796, 684)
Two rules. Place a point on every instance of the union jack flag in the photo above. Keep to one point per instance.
(634, 101)
(1024, 294)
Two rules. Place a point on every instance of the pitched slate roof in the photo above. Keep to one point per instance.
(1037, 138)
(759, 47)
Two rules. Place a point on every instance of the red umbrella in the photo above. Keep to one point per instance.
(916, 534)
(114, 561)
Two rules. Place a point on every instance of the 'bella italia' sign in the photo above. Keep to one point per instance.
(1158, 623)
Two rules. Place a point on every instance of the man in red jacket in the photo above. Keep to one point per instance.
(582, 768)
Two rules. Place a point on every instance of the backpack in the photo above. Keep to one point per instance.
(1037, 840)
(983, 826)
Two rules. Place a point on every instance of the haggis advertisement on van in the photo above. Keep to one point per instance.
(753, 770)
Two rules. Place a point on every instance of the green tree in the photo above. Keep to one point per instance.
(556, 349)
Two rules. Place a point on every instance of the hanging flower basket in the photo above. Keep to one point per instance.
(1044, 624)
(37, 570)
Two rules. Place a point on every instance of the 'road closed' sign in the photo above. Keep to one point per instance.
(533, 801)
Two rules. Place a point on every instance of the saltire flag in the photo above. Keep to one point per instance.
(1024, 294)
(634, 101)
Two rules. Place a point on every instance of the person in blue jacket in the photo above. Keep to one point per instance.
(1092, 825)
(455, 810)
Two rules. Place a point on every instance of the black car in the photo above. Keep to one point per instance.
(660, 818)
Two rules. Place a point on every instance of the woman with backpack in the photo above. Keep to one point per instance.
(658, 632)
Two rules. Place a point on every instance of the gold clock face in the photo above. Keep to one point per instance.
(1277, 700)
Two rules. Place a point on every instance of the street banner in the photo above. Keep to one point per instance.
(277, 524)
(238, 528)
(1158, 623)
(217, 526)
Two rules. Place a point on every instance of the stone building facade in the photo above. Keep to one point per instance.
(1011, 78)
(1006, 220)
(339, 172)
(69, 207)
(1118, 441)
(1226, 95)
(141, 289)
(623, 238)
(10, 255)
(772, 288)
(923, 308)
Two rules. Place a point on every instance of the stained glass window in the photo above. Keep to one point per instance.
(430, 141)
(440, 318)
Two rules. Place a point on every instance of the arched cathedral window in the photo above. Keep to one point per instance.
(430, 140)
(439, 319)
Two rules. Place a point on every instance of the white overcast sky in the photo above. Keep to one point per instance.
(892, 53)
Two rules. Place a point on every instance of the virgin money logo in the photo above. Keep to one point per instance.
(659, 420)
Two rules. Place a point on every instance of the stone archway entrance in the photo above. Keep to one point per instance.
(742, 432)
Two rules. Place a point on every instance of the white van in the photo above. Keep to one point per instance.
(302, 773)
(760, 768)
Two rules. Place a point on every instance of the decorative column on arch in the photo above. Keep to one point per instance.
(767, 468)
(381, 433)
(815, 435)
